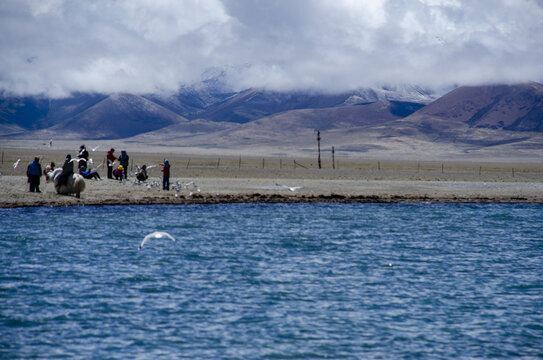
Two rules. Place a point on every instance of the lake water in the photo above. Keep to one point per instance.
(273, 281)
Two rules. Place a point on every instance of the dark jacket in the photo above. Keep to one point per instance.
(34, 168)
(123, 160)
(68, 167)
(83, 154)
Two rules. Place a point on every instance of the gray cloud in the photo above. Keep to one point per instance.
(56, 47)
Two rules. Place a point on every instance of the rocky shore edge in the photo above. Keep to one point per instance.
(270, 199)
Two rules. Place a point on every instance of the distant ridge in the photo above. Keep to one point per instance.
(208, 100)
(498, 119)
(118, 116)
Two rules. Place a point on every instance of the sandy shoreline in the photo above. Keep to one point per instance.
(223, 179)
(14, 192)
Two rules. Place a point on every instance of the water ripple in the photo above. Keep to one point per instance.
(273, 281)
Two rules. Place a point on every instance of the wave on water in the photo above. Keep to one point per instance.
(272, 281)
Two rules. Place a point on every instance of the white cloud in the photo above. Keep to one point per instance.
(55, 47)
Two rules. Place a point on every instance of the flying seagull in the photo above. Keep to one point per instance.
(16, 163)
(155, 235)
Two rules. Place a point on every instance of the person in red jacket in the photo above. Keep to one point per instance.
(110, 159)
(166, 175)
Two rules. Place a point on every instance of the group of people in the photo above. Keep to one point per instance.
(121, 171)
(34, 170)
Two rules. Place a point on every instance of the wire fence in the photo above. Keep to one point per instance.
(14, 164)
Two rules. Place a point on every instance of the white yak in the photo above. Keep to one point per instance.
(74, 185)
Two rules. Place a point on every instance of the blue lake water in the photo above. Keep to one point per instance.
(273, 281)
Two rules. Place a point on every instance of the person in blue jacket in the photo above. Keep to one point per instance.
(123, 160)
(89, 174)
(33, 172)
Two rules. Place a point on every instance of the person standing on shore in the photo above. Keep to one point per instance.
(33, 172)
(166, 175)
(123, 160)
(84, 156)
(110, 158)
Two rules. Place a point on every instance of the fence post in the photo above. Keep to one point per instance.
(280, 163)
(262, 163)
(319, 143)
(188, 163)
(379, 165)
(239, 163)
(2, 157)
(218, 162)
(513, 172)
(442, 168)
(480, 168)
(333, 158)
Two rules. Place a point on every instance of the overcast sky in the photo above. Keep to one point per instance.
(56, 47)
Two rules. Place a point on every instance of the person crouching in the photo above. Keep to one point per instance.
(141, 174)
(119, 173)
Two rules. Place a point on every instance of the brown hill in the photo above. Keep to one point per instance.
(289, 127)
(508, 107)
(475, 117)
(118, 116)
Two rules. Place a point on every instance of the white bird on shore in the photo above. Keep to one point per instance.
(94, 148)
(291, 188)
(155, 235)
(16, 163)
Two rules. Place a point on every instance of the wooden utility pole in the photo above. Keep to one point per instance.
(319, 144)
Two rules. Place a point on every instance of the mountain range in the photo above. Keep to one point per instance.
(466, 119)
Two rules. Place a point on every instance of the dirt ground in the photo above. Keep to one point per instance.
(231, 179)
